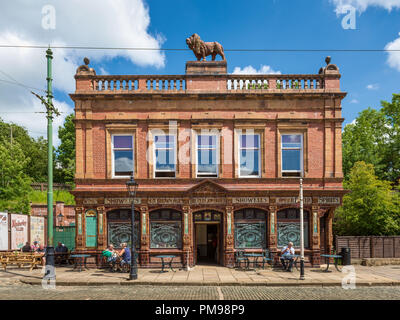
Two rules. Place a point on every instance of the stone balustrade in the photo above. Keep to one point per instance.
(229, 83)
(128, 83)
(274, 82)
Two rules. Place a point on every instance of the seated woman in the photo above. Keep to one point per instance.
(125, 254)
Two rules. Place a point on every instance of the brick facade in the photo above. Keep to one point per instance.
(207, 98)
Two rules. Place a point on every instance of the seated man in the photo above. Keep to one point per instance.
(26, 248)
(59, 248)
(110, 254)
(286, 255)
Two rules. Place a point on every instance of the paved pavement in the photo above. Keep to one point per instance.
(20, 291)
(210, 276)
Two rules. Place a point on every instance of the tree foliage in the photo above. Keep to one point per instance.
(66, 151)
(371, 208)
(375, 138)
(14, 182)
(33, 149)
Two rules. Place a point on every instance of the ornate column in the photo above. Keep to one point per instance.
(187, 249)
(144, 252)
(272, 229)
(101, 229)
(229, 250)
(79, 244)
(314, 238)
(328, 230)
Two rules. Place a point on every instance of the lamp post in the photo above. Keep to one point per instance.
(301, 232)
(131, 186)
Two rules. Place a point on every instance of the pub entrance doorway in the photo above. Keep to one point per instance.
(207, 237)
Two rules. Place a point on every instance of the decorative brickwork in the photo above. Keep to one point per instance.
(208, 101)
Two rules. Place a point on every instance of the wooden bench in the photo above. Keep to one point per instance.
(20, 258)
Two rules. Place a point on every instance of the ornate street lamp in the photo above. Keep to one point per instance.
(132, 186)
(60, 219)
(301, 232)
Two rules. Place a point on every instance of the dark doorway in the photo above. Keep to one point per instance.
(207, 243)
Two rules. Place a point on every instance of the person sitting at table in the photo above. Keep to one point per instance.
(286, 254)
(41, 250)
(110, 254)
(26, 248)
(35, 246)
(59, 248)
(125, 254)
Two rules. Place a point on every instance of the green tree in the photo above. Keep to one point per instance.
(371, 208)
(365, 141)
(66, 151)
(391, 110)
(14, 182)
(375, 139)
(34, 149)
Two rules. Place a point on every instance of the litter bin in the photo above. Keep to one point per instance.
(346, 258)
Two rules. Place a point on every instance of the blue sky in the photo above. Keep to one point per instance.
(308, 24)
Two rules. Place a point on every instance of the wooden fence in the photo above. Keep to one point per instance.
(370, 247)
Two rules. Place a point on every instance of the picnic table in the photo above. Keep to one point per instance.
(253, 255)
(80, 261)
(164, 263)
(18, 258)
(335, 257)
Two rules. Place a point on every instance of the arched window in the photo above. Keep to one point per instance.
(250, 229)
(165, 229)
(119, 228)
(289, 227)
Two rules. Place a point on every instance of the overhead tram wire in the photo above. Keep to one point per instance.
(186, 49)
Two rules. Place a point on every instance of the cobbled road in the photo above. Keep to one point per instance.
(18, 291)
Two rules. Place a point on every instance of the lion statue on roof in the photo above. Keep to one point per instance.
(203, 49)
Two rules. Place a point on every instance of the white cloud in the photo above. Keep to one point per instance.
(393, 59)
(111, 23)
(362, 5)
(251, 70)
(373, 86)
(354, 101)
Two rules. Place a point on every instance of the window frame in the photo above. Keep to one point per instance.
(259, 155)
(301, 171)
(155, 158)
(122, 149)
(217, 150)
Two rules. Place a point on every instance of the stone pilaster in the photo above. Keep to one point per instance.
(272, 230)
(187, 223)
(315, 229)
(144, 252)
(79, 238)
(101, 228)
(229, 249)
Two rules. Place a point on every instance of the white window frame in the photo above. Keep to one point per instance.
(259, 154)
(217, 135)
(155, 159)
(301, 155)
(121, 149)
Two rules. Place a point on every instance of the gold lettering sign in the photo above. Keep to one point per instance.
(121, 201)
(207, 201)
(329, 200)
(165, 201)
(292, 200)
(250, 200)
(90, 201)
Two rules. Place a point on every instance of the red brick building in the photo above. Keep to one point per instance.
(217, 157)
